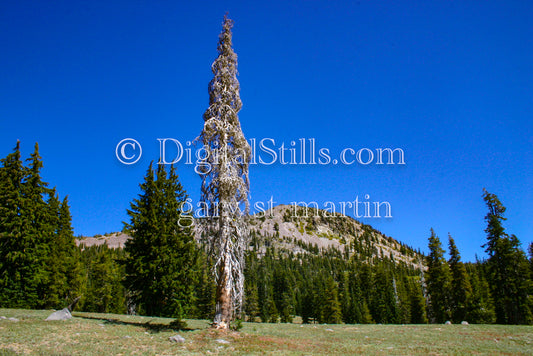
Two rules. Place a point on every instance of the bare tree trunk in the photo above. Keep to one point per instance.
(223, 298)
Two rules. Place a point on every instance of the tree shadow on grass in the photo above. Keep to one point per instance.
(148, 326)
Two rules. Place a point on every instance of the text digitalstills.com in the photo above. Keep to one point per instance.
(266, 151)
(269, 152)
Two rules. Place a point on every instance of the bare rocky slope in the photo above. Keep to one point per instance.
(295, 229)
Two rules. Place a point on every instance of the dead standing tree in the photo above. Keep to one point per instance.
(225, 184)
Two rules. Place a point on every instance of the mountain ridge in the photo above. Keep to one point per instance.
(297, 229)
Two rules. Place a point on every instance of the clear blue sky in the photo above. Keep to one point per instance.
(450, 83)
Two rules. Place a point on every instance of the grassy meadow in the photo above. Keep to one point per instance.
(110, 334)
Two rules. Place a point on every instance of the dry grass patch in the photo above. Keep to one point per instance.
(108, 334)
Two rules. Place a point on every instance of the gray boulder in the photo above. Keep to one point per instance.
(177, 338)
(464, 322)
(448, 323)
(63, 314)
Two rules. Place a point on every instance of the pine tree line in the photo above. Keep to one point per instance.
(104, 287)
(164, 272)
(330, 288)
(39, 263)
(41, 266)
(499, 289)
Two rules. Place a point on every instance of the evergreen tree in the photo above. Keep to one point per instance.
(69, 253)
(283, 294)
(366, 282)
(331, 309)
(26, 232)
(349, 312)
(402, 296)
(508, 268)
(417, 304)
(461, 290)
(205, 288)
(307, 298)
(481, 309)
(40, 226)
(264, 288)
(37, 264)
(161, 263)
(271, 311)
(438, 281)
(56, 264)
(103, 292)
(251, 281)
(251, 306)
(366, 316)
(307, 311)
(360, 313)
(14, 261)
(384, 305)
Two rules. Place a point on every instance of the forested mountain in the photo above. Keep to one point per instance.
(305, 230)
(322, 267)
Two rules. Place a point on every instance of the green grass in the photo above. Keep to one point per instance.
(110, 334)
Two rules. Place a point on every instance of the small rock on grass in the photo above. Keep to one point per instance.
(331, 330)
(448, 323)
(177, 338)
(464, 322)
(222, 341)
(3, 317)
(63, 314)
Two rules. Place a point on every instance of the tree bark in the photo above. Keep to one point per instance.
(223, 298)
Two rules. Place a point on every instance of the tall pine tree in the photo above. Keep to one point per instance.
(26, 247)
(508, 268)
(461, 290)
(161, 263)
(64, 261)
(417, 303)
(481, 309)
(331, 312)
(438, 281)
(15, 263)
